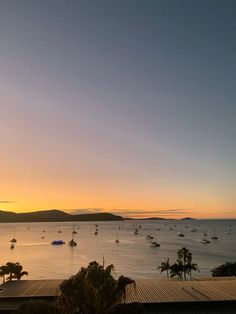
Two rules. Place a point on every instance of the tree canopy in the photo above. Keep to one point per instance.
(224, 270)
(93, 290)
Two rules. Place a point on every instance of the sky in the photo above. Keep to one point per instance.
(123, 106)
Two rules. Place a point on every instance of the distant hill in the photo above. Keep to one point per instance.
(55, 215)
(188, 218)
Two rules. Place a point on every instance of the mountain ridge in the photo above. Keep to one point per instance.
(55, 215)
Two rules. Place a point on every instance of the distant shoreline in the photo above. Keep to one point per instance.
(55, 215)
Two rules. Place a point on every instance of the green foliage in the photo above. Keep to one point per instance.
(14, 270)
(36, 307)
(225, 270)
(93, 290)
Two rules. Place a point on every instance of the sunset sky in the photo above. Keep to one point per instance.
(124, 106)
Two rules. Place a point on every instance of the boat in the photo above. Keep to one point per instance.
(155, 244)
(12, 246)
(205, 241)
(193, 230)
(13, 240)
(117, 241)
(181, 234)
(149, 237)
(214, 237)
(136, 231)
(72, 242)
(74, 232)
(96, 232)
(59, 231)
(58, 242)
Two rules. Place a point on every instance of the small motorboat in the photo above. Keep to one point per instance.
(96, 232)
(205, 241)
(117, 241)
(149, 237)
(136, 231)
(74, 232)
(12, 246)
(155, 244)
(59, 231)
(72, 243)
(214, 237)
(181, 234)
(13, 240)
(58, 242)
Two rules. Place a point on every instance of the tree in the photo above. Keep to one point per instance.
(182, 267)
(11, 269)
(18, 273)
(14, 270)
(3, 272)
(224, 270)
(185, 257)
(192, 267)
(93, 290)
(165, 266)
(176, 270)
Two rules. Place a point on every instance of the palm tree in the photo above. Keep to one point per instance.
(185, 256)
(18, 273)
(10, 269)
(176, 270)
(165, 266)
(192, 267)
(93, 290)
(3, 272)
(15, 271)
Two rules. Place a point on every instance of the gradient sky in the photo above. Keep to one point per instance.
(125, 106)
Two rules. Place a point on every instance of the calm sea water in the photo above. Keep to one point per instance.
(132, 256)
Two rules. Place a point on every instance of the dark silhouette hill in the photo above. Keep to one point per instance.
(55, 215)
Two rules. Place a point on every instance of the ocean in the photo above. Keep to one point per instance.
(132, 256)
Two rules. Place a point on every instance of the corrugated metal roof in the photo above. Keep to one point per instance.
(29, 288)
(146, 291)
(155, 291)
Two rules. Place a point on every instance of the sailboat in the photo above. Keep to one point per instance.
(72, 241)
(13, 240)
(214, 237)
